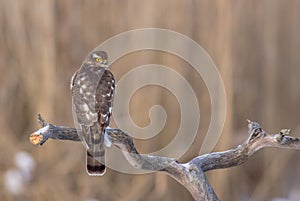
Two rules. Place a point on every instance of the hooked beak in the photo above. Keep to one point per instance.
(104, 65)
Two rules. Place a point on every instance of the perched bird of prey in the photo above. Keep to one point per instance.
(92, 89)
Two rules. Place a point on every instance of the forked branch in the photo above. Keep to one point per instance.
(190, 175)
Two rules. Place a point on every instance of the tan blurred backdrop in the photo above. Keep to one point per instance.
(255, 45)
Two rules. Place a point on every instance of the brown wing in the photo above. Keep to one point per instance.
(92, 92)
(84, 89)
(104, 101)
(104, 98)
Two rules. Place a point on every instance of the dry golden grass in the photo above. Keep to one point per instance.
(255, 45)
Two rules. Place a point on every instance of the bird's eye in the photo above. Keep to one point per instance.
(97, 59)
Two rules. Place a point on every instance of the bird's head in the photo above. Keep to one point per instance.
(98, 58)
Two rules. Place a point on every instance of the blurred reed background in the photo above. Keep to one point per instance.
(255, 45)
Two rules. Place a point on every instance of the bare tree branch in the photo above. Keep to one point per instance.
(258, 139)
(190, 175)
